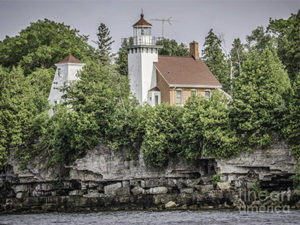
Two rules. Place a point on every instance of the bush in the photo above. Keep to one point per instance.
(206, 128)
(162, 139)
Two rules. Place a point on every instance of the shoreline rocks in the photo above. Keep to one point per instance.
(104, 180)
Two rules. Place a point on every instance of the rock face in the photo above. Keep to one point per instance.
(107, 180)
(272, 167)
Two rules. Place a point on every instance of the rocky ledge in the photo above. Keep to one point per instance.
(105, 180)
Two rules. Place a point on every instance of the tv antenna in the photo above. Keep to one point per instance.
(163, 20)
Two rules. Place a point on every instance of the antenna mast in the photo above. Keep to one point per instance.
(163, 20)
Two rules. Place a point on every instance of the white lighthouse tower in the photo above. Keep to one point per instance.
(66, 73)
(142, 53)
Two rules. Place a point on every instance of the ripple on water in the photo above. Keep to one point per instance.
(154, 218)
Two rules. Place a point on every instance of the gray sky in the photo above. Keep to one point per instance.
(193, 18)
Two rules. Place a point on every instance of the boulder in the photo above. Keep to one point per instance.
(187, 190)
(21, 188)
(207, 187)
(112, 188)
(223, 185)
(19, 195)
(170, 205)
(92, 195)
(137, 191)
(192, 182)
(125, 183)
(123, 191)
(158, 190)
(76, 192)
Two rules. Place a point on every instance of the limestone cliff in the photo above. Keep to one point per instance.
(107, 180)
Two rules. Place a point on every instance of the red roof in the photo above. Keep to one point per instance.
(185, 70)
(69, 59)
(154, 89)
(142, 21)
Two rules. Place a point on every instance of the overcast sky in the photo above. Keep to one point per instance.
(192, 18)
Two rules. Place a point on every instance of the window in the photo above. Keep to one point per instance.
(178, 97)
(193, 92)
(207, 94)
(156, 100)
(59, 72)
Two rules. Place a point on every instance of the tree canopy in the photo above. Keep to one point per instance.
(172, 48)
(259, 97)
(287, 34)
(42, 44)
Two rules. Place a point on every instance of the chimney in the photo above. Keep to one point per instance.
(194, 51)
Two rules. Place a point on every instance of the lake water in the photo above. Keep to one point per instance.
(161, 218)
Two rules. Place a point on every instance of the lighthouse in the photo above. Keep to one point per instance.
(65, 74)
(142, 54)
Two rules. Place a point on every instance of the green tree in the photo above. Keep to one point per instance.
(292, 128)
(287, 33)
(215, 59)
(259, 98)
(122, 59)
(237, 57)
(172, 48)
(259, 40)
(42, 44)
(104, 43)
(207, 129)
(102, 111)
(20, 105)
(162, 139)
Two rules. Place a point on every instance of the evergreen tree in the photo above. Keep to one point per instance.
(122, 59)
(215, 59)
(287, 34)
(104, 43)
(259, 40)
(237, 57)
(292, 128)
(259, 98)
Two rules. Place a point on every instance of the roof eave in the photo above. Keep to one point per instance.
(195, 86)
(70, 63)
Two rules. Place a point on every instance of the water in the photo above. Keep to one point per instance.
(161, 218)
